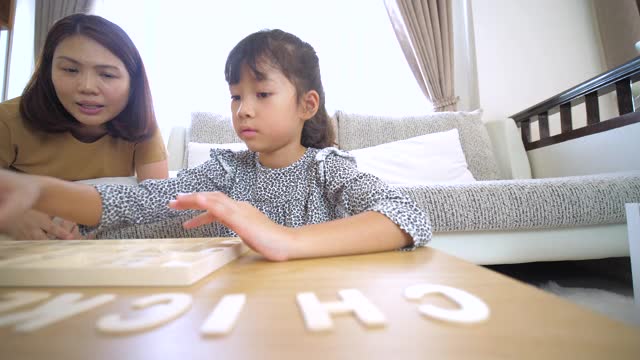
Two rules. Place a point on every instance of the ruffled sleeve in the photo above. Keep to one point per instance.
(353, 192)
(148, 201)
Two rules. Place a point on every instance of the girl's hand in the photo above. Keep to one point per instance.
(17, 195)
(261, 234)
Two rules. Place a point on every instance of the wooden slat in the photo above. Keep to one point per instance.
(543, 125)
(593, 108)
(566, 123)
(525, 129)
(617, 122)
(625, 99)
(629, 70)
(619, 79)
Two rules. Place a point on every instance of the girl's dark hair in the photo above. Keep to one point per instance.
(298, 61)
(40, 106)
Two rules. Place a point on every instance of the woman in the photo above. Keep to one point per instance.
(86, 113)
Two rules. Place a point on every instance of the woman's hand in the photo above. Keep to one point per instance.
(17, 195)
(70, 227)
(34, 225)
(261, 234)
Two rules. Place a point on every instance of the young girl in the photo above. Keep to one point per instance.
(86, 113)
(289, 196)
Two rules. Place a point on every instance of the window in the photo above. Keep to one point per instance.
(21, 55)
(185, 44)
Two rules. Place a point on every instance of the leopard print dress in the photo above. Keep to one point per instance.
(323, 185)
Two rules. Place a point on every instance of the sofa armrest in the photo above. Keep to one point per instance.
(508, 149)
(176, 148)
(529, 203)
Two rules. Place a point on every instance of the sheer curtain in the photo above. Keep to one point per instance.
(425, 32)
(50, 11)
(185, 44)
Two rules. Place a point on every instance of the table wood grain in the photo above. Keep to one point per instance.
(524, 323)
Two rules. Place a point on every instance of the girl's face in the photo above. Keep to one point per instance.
(90, 81)
(267, 117)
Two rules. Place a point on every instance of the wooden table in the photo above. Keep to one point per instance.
(524, 322)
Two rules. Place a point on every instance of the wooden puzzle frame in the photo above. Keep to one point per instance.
(148, 262)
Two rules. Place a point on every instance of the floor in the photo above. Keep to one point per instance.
(603, 285)
(611, 274)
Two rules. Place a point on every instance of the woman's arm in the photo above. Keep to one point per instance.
(106, 205)
(35, 225)
(154, 170)
(7, 151)
(72, 201)
(150, 158)
(79, 203)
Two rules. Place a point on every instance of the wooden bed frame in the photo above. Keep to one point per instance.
(619, 79)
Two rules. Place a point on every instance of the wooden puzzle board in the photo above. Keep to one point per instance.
(149, 262)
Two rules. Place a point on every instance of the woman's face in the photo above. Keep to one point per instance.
(91, 82)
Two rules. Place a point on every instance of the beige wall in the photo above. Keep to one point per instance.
(465, 74)
(619, 26)
(610, 151)
(528, 51)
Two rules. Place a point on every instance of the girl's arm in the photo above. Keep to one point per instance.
(373, 218)
(366, 232)
(357, 195)
(363, 233)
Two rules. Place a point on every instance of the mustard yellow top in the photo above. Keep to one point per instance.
(63, 156)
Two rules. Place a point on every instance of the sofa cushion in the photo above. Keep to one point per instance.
(509, 151)
(208, 127)
(442, 151)
(528, 204)
(167, 228)
(506, 205)
(124, 180)
(356, 131)
(199, 153)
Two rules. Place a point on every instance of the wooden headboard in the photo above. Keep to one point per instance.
(619, 79)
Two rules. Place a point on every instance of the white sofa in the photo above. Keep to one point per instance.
(504, 217)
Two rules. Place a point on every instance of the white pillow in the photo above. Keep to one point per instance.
(426, 159)
(198, 153)
(124, 180)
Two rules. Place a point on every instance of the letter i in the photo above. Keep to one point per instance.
(224, 316)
